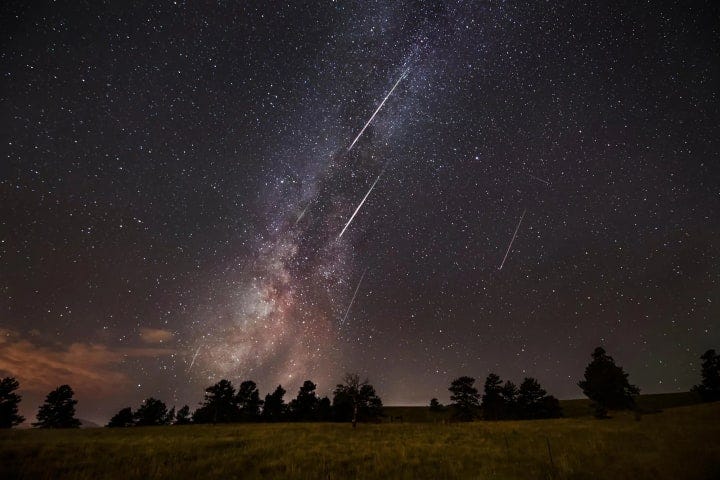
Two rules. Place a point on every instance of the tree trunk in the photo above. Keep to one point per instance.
(355, 412)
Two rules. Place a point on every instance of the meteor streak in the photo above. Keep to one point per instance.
(513, 239)
(194, 357)
(404, 74)
(302, 214)
(361, 204)
(538, 178)
(353, 297)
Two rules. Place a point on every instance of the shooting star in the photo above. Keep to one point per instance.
(353, 297)
(194, 357)
(404, 74)
(361, 203)
(513, 239)
(302, 214)
(538, 178)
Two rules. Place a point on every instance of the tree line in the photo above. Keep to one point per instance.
(499, 401)
(355, 400)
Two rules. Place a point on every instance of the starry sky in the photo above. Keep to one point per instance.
(542, 178)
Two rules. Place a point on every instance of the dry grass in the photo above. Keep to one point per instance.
(678, 443)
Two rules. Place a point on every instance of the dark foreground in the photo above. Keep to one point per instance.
(681, 442)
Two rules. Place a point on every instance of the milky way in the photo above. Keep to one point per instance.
(282, 192)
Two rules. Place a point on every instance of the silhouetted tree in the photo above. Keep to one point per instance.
(9, 401)
(465, 399)
(549, 407)
(248, 400)
(509, 394)
(219, 405)
(534, 402)
(493, 405)
(304, 407)
(344, 403)
(124, 418)
(436, 406)
(170, 417)
(183, 416)
(606, 384)
(152, 412)
(58, 411)
(355, 400)
(274, 408)
(324, 412)
(370, 404)
(709, 388)
(529, 397)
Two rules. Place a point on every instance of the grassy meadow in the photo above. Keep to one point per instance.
(681, 442)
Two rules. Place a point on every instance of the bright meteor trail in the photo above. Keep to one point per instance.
(361, 203)
(513, 239)
(378, 109)
(193, 359)
(352, 300)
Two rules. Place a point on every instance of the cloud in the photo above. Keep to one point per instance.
(91, 369)
(155, 335)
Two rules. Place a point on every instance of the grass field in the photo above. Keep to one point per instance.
(678, 443)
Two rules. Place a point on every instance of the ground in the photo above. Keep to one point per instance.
(680, 442)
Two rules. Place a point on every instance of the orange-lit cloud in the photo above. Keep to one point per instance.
(91, 369)
(155, 335)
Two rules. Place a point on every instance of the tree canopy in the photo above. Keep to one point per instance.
(248, 401)
(219, 406)
(465, 399)
(9, 401)
(709, 388)
(534, 402)
(355, 400)
(493, 405)
(607, 385)
(124, 418)
(274, 409)
(58, 411)
(153, 412)
(305, 406)
(183, 416)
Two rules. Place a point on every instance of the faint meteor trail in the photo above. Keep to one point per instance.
(538, 179)
(404, 74)
(302, 214)
(353, 297)
(361, 203)
(513, 239)
(194, 357)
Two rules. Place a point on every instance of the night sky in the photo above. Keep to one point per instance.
(174, 181)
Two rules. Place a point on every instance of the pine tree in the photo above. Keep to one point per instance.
(435, 405)
(183, 416)
(58, 411)
(248, 401)
(9, 401)
(152, 412)
(274, 409)
(509, 395)
(219, 405)
(124, 418)
(465, 399)
(709, 389)
(304, 407)
(606, 384)
(493, 405)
